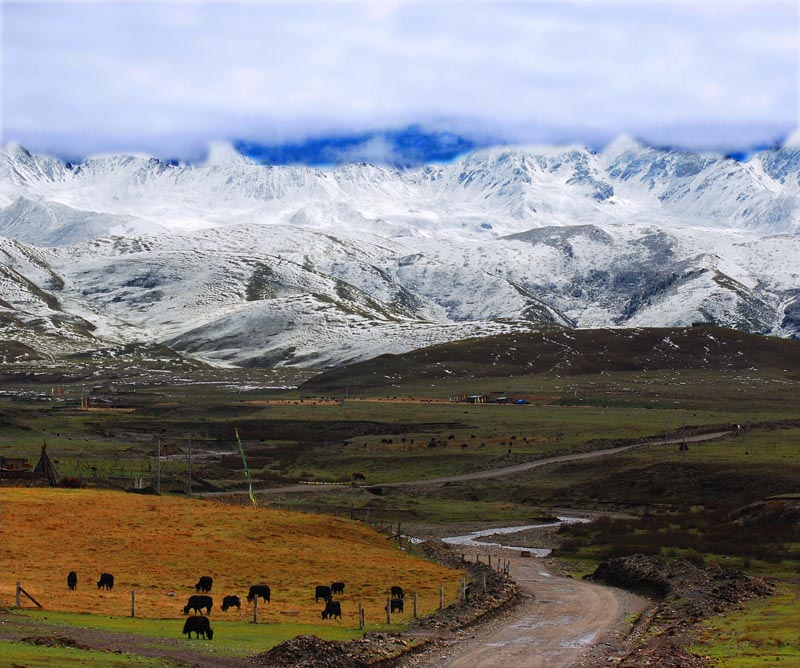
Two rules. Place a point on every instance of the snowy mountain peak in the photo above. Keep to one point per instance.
(622, 143)
(793, 140)
(224, 154)
(243, 263)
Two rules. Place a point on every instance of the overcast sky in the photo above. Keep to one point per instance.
(166, 77)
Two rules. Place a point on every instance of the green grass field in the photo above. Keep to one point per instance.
(17, 655)
(239, 637)
(765, 633)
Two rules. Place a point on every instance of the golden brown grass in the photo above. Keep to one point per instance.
(158, 545)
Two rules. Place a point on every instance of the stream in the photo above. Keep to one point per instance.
(471, 539)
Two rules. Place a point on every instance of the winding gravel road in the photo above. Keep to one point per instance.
(501, 472)
(559, 620)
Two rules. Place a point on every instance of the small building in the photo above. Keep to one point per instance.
(477, 399)
(14, 464)
(99, 402)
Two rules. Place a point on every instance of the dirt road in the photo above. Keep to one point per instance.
(528, 466)
(502, 472)
(560, 619)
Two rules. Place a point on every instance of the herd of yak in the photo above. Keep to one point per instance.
(199, 602)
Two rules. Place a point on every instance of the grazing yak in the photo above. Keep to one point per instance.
(197, 603)
(256, 591)
(396, 605)
(72, 580)
(204, 584)
(332, 609)
(337, 588)
(397, 592)
(231, 602)
(106, 581)
(200, 625)
(322, 592)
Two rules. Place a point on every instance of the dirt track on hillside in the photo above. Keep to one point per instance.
(502, 472)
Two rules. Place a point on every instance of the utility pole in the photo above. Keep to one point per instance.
(158, 475)
(747, 436)
(684, 447)
(190, 468)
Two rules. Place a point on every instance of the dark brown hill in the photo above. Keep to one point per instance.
(569, 352)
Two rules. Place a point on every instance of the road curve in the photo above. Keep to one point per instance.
(484, 475)
(559, 620)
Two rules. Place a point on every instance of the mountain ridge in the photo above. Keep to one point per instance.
(243, 264)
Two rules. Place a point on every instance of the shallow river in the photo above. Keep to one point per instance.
(471, 539)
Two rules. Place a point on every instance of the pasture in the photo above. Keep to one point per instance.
(159, 546)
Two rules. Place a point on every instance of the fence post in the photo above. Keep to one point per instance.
(388, 611)
(490, 560)
(360, 616)
(415, 605)
(133, 603)
(463, 589)
(19, 586)
(255, 610)
(441, 597)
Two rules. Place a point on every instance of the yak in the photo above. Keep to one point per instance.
(200, 625)
(337, 588)
(231, 602)
(204, 584)
(332, 609)
(322, 592)
(397, 592)
(106, 581)
(197, 603)
(256, 591)
(72, 580)
(396, 605)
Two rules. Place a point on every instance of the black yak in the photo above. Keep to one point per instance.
(258, 590)
(231, 602)
(332, 609)
(200, 625)
(322, 592)
(197, 603)
(204, 584)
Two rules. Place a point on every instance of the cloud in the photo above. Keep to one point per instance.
(167, 76)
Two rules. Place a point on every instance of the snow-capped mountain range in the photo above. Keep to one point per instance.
(236, 263)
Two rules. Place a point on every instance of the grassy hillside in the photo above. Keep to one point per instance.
(568, 353)
(158, 545)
